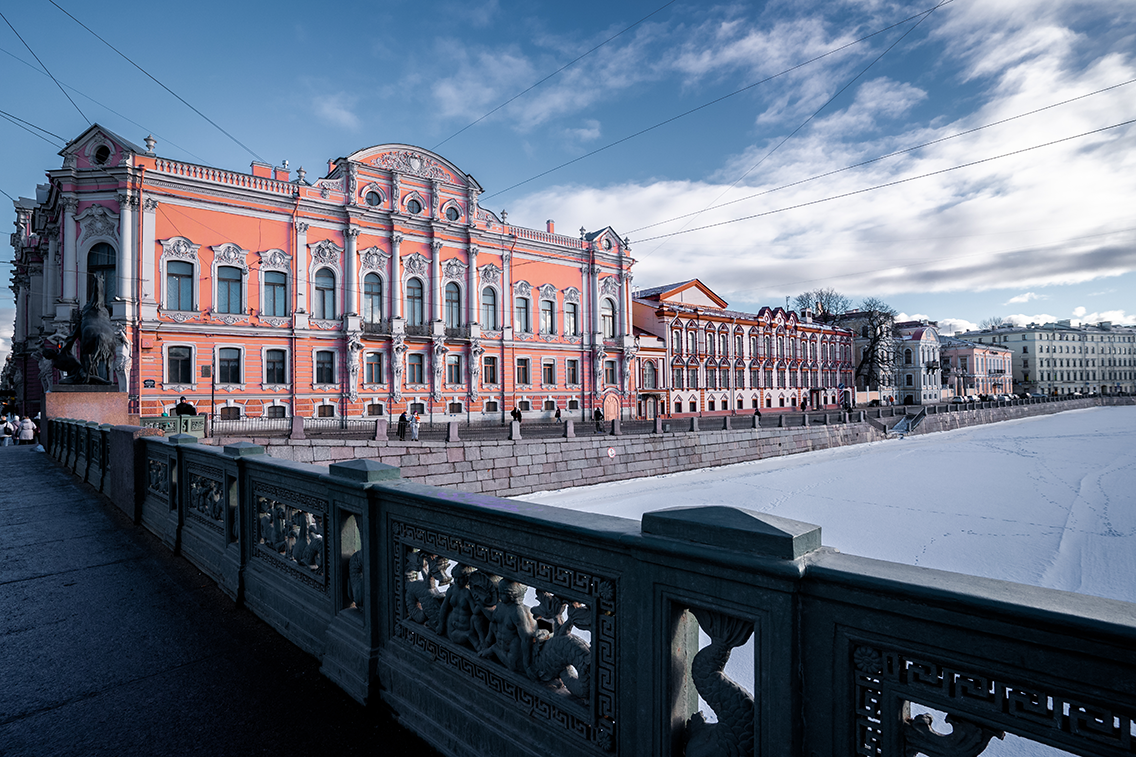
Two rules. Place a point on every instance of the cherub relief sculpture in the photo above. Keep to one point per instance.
(423, 600)
(512, 630)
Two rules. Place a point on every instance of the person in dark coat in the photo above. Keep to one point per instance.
(402, 421)
(597, 416)
(558, 415)
(516, 414)
(184, 408)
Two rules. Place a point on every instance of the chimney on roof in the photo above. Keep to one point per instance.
(551, 226)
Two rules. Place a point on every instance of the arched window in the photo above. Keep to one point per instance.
(489, 308)
(179, 285)
(650, 376)
(275, 294)
(415, 310)
(453, 306)
(523, 320)
(607, 318)
(102, 259)
(229, 290)
(323, 305)
(372, 298)
(907, 357)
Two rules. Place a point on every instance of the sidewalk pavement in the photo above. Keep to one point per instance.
(111, 645)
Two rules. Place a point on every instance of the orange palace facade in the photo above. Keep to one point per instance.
(378, 288)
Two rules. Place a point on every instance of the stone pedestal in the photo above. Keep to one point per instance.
(88, 402)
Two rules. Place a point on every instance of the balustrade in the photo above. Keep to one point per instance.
(524, 629)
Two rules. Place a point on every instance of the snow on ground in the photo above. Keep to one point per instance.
(1047, 501)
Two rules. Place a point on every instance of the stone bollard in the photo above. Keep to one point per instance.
(452, 432)
(726, 423)
(514, 430)
(381, 426)
(615, 430)
(297, 428)
(694, 423)
(569, 429)
(658, 425)
(805, 420)
(780, 420)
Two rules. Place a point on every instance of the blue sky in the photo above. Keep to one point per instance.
(1045, 234)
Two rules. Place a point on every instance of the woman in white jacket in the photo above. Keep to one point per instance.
(26, 431)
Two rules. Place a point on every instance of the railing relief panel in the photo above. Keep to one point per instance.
(289, 536)
(539, 634)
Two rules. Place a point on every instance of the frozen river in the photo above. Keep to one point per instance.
(1048, 501)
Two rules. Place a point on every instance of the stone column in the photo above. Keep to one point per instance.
(147, 261)
(126, 255)
(50, 275)
(437, 295)
(301, 263)
(474, 294)
(70, 269)
(350, 271)
(396, 295)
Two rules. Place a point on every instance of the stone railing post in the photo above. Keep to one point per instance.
(658, 429)
(452, 432)
(381, 426)
(297, 427)
(569, 429)
(515, 430)
(694, 423)
(615, 429)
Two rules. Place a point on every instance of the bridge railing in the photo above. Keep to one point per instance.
(523, 629)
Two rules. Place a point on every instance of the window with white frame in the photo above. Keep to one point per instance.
(323, 294)
(548, 372)
(415, 302)
(572, 372)
(372, 298)
(607, 318)
(547, 317)
(489, 309)
(179, 285)
(179, 365)
(453, 369)
(415, 368)
(571, 319)
(453, 305)
(229, 365)
(489, 369)
(325, 367)
(275, 300)
(274, 370)
(229, 280)
(523, 320)
(373, 368)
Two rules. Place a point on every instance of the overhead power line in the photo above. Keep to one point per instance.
(45, 68)
(890, 183)
(904, 151)
(708, 104)
(21, 123)
(163, 86)
(554, 73)
(105, 107)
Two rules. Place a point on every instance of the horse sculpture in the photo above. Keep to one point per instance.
(96, 344)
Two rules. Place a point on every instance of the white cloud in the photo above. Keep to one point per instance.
(1118, 317)
(1022, 298)
(1020, 319)
(1055, 216)
(1078, 312)
(336, 109)
(589, 132)
(951, 326)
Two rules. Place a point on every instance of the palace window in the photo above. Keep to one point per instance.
(323, 306)
(453, 305)
(489, 369)
(179, 285)
(607, 318)
(229, 290)
(489, 308)
(275, 294)
(609, 371)
(229, 365)
(650, 375)
(572, 372)
(415, 307)
(523, 320)
(453, 369)
(325, 367)
(547, 317)
(274, 367)
(414, 368)
(102, 259)
(571, 319)
(548, 373)
(373, 368)
(372, 298)
(179, 365)
(522, 376)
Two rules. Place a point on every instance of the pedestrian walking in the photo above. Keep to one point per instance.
(415, 424)
(558, 415)
(27, 431)
(598, 417)
(184, 408)
(7, 429)
(402, 422)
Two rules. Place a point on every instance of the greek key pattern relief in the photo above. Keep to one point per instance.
(290, 533)
(1031, 711)
(481, 626)
(206, 503)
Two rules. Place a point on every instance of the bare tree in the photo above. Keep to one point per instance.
(991, 323)
(824, 302)
(879, 355)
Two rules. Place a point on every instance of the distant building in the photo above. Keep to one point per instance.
(1060, 358)
(918, 363)
(972, 369)
(698, 356)
(381, 287)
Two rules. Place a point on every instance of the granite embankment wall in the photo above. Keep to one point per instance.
(509, 468)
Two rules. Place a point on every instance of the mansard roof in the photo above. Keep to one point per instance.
(416, 161)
